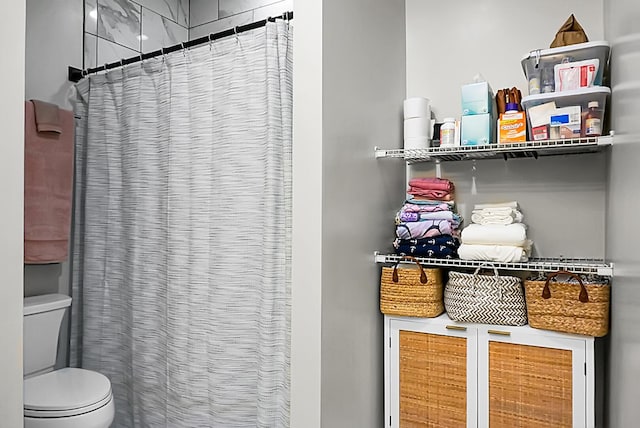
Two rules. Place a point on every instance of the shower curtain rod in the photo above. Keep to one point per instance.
(75, 74)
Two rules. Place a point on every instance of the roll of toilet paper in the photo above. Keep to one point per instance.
(417, 127)
(416, 143)
(417, 107)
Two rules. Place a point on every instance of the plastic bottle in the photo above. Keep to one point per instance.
(534, 82)
(511, 108)
(548, 83)
(593, 122)
(448, 132)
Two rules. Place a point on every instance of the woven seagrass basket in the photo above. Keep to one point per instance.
(411, 291)
(488, 299)
(570, 307)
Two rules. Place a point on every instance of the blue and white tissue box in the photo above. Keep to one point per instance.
(478, 130)
(477, 98)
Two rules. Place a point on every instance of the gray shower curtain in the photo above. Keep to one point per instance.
(182, 233)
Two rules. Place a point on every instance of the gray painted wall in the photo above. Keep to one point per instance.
(563, 198)
(349, 80)
(363, 88)
(621, 23)
(53, 42)
(11, 189)
(447, 46)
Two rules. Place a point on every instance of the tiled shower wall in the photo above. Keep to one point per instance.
(212, 16)
(117, 29)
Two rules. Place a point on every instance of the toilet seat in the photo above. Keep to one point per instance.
(65, 392)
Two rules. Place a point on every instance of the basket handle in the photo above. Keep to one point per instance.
(486, 266)
(423, 276)
(546, 292)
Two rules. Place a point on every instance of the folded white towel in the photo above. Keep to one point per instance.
(495, 234)
(488, 216)
(494, 253)
(500, 210)
(510, 204)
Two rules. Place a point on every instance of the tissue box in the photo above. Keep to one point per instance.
(478, 129)
(477, 98)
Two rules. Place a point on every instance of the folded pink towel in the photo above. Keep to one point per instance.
(47, 117)
(48, 187)
(438, 195)
(432, 183)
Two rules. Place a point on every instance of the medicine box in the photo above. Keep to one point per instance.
(565, 123)
(577, 97)
(512, 127)
(477, 98)
(478, 129)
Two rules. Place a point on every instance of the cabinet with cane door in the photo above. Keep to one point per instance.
(441, 373)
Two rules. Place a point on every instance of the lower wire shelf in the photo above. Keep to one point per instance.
(582, 266)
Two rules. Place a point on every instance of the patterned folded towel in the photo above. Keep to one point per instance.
(424, 229)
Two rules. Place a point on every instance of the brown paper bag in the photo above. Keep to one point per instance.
(570, 33)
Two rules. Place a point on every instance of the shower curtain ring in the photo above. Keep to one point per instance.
(235, 31)
(210, 40)
(184, 49)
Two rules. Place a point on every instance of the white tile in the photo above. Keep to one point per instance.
(203, 11)
(112, 52)
(175, 10)
(220, 25)
(183, 13)
(91, 16)
(232, 7)
(159, 32)
(119, 21)
(90, 51)
(272, 10)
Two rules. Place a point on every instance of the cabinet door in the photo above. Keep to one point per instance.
(432, 375)
(529, 380)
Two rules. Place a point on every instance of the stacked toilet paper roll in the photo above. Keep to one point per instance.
(417, 123)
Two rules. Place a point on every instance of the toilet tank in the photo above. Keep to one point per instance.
(42, 318)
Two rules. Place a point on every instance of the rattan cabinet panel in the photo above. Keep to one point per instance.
(433, 380)
(530, 386)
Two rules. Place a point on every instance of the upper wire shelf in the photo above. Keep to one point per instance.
(499, 151)
(579, 266)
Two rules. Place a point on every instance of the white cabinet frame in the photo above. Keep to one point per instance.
(478, 337)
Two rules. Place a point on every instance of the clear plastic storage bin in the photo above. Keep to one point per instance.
(538, 64)
(579, 97)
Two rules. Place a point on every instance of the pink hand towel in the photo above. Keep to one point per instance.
(48, 189)
(47, 117)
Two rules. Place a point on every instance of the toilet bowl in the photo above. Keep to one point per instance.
(63, 398)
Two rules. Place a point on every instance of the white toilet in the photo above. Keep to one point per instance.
(65, 398)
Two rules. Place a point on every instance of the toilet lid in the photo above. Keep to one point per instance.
(65, 389)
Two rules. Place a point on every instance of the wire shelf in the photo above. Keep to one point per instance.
(496, 151)
(582, 266)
